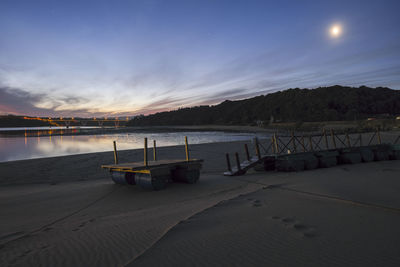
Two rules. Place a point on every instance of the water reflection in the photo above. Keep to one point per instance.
(27, 147)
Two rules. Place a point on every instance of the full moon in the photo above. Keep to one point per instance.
(335, 30)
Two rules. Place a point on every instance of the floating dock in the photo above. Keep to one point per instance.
(155, 174)
(296, 154)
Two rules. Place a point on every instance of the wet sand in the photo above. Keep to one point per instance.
(65, 211)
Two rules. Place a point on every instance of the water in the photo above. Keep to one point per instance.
(29, 147)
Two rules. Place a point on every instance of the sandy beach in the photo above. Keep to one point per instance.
(66, 211)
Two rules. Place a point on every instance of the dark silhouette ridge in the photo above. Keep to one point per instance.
(293, 105)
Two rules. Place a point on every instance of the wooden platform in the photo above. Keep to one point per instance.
(141, 168)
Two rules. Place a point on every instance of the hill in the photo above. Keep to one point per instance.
(293, 105)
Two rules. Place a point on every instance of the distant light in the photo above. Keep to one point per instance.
(335, 31)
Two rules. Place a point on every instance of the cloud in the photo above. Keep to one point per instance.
(21, 102)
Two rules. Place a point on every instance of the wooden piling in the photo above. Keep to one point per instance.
(146, 162)
(333, 139)
(257, 148)
(228, 162)
(154, 150)
(326, 139)
(293, 142)
(237, 161)
(115, 152)
(246, 149)
(186, 148)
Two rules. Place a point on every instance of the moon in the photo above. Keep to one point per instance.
(335, 31)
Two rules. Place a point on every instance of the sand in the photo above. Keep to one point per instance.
(65, 211)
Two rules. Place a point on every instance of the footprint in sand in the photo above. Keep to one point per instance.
(83, 224)
(26, 252)
(257, 203)
(288, 220)
(307, 231)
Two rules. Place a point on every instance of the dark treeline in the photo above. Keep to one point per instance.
(293, 105)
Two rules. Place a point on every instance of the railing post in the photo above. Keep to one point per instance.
(146, 162)
(186, 148)
(228, 162)
(276, 144)
(333, 138)
(257, 148)
(154, 150)
(115, 152)
(348, 140)
(311, 145)
(238, 161)
(273, 145)
(246, 149)
(293, 142)
(326, 140)
(379, 136)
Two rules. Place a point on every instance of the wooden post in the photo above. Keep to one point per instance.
(326, 140)
(237, 161)
(246, 149)
(186, 148)
(293, 142)
(311, 146)
(379, 136)
(146, 162)
(257, 148)
(302, 144)
(348, 140)
(228, 163)
(154, 150)
(333, 139)
(115, 153)
(360, 137)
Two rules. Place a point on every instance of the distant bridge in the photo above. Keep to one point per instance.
(60, 121)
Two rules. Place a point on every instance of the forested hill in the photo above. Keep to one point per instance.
(292, 105)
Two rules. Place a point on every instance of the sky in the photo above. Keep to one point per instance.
(124, 58)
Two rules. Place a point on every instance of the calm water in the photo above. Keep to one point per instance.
(17, 148)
